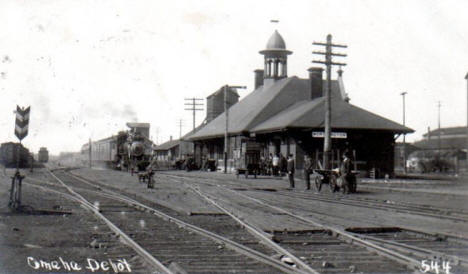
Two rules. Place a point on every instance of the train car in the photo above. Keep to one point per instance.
(123, 151)
(9, 155)
(43, 155)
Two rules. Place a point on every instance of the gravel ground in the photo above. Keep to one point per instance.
(415, 192)
(66, 237)
(164, 192)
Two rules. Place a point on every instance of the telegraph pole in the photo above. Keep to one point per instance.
(89, 152)
(194, 103)
(466, 78)
(404, 134)
(226, 88)
(328, 62)
(438, 141)
(180, 124)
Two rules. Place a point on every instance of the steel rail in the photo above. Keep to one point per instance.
(233, 183)
(200, 231)
(135, 246)
(414, 264)
(398, 207)
(256, 232)
(414, 249)
(377, 205)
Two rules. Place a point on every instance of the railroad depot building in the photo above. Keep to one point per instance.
(286, 115)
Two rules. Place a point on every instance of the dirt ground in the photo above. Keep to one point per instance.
(38, 236)
(441, 194)
(30, 243)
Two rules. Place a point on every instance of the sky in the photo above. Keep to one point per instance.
(87, 67)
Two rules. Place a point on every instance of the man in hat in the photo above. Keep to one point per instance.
(346, 169)
(307, 170)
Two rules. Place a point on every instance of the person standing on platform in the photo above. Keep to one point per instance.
(270, 165)
(307, 170)
(291, 168)
(346, 169)
(275, 163)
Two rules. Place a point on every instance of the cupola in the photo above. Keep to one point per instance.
(276, 58)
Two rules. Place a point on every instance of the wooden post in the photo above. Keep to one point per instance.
(354, 160)
(316, 158)
(328, 62)
(466, 160)
(338, 161)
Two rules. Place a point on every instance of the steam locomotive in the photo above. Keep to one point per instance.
(127, 150)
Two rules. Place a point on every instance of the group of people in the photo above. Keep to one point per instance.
(274, 165)
(278, 165)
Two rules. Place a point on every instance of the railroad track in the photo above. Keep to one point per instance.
(349, 200)
(413, 246)
(168, 243)
(88, 243)
(440, 213)
(327, 250)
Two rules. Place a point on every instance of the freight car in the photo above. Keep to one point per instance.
(9, 155)
(43, 155)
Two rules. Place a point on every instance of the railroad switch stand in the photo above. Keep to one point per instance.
(15, 191)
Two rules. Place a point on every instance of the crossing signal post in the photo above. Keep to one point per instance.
(21, 131)
(328, 63)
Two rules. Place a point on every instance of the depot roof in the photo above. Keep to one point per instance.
(286, 103)
(310, 114)
(167, 145)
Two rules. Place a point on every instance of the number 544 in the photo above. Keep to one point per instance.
(433, 266)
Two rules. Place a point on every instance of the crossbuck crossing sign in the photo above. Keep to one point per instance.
(22, 122)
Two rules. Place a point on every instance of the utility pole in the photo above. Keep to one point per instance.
(89, 152)
(466, 78)
(328, 62)
(438, 141)
(180, 138)
(180, 124)
(404, 134)
(226, 110)
(194, 103)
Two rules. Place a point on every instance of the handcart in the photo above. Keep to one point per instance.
(336, 182)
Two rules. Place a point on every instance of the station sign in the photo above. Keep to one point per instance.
(321, 134)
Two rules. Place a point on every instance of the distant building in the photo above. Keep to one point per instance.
(447, 146)
(286, 115)
(215, 102)
(451, 138)
(168, 151)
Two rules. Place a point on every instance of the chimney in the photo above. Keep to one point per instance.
(316, 82)
(170, 138)
(258, 78)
